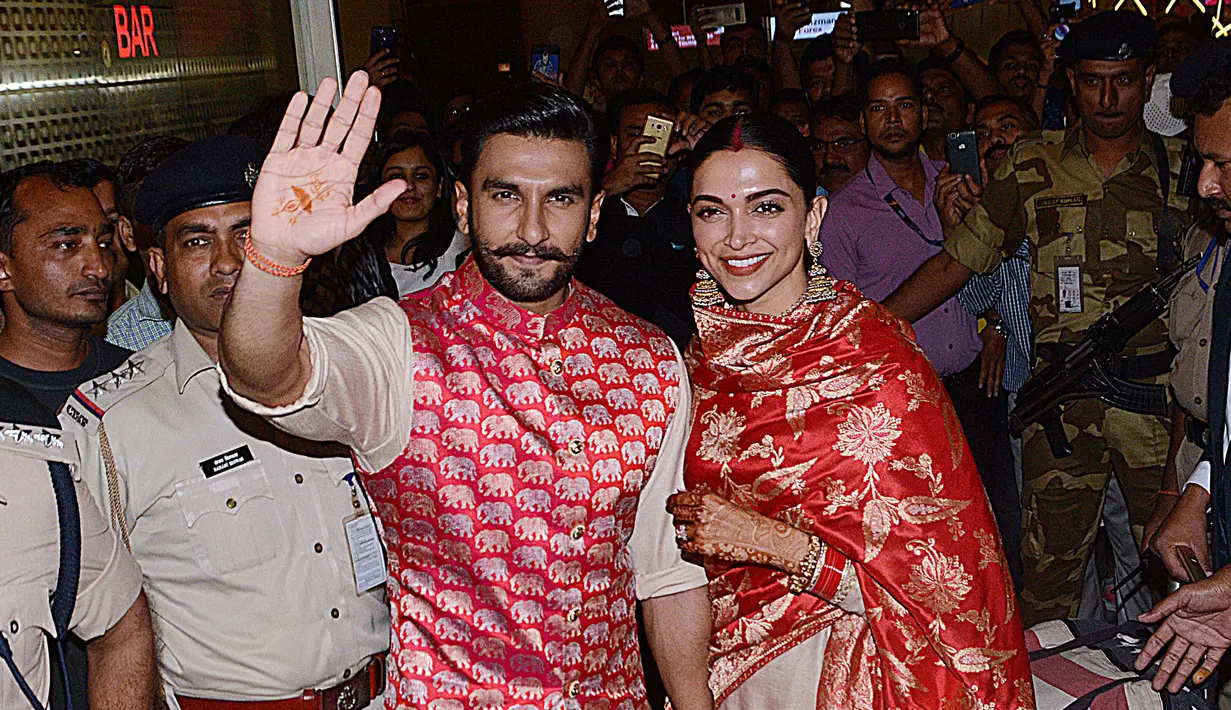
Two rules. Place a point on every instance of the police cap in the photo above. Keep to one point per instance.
(213, 171)
(1209, 57)
(1109, 36)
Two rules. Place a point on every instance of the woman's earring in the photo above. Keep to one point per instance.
(706, 293)
(820, 283)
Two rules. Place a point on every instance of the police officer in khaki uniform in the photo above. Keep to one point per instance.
(241, 530)
(1097, 203)
(1191, 324)
(110, 611)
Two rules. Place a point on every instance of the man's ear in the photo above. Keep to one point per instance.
(1149, 81)
(970, 114)
(461, 207)
(124, 230)
(6, 278)
(596, 211)
(863, 123)
(156, 260)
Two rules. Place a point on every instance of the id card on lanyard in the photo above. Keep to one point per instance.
(1068, 279)
(366, 555)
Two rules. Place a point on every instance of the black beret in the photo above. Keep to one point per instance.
(213, 171)
(1109, 36)
(1205, 59)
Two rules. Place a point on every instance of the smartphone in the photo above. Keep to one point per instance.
(711, 17)
(384, 38)
(962, 150)
(659, 129)
(892, 25)
(1189, 558)
(545, 59)
(1062, 12)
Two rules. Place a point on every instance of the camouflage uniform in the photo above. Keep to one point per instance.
(1052, 193)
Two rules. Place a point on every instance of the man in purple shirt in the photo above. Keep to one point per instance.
(883, 225)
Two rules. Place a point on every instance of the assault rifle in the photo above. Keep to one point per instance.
(1090, 370)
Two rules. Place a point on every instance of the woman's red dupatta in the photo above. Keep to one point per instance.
(832, 419)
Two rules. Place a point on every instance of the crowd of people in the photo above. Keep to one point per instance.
(377, 401)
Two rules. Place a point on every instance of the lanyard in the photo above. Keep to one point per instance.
(1214, 249)
(901, 213)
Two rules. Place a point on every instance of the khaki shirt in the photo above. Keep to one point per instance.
(361, 393)
(1051, 193)
(1191, 322)
(30, 558)
(247, 569)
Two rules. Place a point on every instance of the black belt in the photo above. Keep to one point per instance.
(1197, 431)
(1128, 367)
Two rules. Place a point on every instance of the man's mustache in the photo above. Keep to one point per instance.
(835, 168)
(1219, 204)
(547, 253)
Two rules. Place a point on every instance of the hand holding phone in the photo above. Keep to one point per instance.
(887, 25)
(962, 150)
(659, 129)
(1189, 558)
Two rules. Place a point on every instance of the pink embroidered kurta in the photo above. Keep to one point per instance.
(533, 446)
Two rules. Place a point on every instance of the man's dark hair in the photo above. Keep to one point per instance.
(1193, 32)
(616, 43)
(784, 95)
(677, 84)
(1032, 121)
(261, 124)
(10, 216)
(136, 165)
(398, 97)
(722, 79)
(535, 111)
(1007, 40)
(722, 38)
(888, 67)
(844, 107)
(939, 64)
(87, 172)
(632, 97)
(1213, 90)
(818, 50)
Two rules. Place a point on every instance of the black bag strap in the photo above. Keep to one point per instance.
(1166, 255)
(64, 599)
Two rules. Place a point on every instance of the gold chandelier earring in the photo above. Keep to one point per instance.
(820, 283)
(706, 293)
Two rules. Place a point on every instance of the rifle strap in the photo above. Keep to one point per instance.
(1166, 251)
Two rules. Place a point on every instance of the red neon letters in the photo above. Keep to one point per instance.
(134, 30)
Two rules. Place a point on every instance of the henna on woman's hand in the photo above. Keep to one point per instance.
(719, 529)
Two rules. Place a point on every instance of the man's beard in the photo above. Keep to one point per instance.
(517, 287)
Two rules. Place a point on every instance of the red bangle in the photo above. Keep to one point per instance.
(261, 262)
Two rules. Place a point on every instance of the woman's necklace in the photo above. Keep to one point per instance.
(795, 305)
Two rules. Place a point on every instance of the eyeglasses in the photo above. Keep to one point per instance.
(842, 145)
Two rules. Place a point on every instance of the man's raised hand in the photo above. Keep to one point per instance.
(302, 203)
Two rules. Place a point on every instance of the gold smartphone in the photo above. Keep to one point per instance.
(659, 129)
(1189, 558)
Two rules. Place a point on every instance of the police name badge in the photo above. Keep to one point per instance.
(1068, 285)
(367, 560)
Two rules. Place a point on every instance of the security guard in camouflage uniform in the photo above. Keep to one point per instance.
(1090, 200)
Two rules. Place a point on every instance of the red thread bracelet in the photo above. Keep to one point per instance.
(263, 263)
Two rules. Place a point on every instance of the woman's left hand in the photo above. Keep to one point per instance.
(716, 528)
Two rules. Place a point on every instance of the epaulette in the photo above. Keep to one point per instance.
(43, 443)
(86, 406)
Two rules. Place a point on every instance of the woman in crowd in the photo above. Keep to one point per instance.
(853, 558)
(418, 235)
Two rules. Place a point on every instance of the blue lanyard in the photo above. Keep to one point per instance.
(1205, 258)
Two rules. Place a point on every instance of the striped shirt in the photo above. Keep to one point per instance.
(1007, 289)
(139, 322)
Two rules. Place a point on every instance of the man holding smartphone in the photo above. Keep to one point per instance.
(643, 257)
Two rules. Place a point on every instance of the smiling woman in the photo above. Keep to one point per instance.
(853, 560)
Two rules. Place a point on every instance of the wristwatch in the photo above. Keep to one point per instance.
(1001, 328)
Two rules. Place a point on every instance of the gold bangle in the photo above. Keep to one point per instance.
(816, 550)
(849, 578)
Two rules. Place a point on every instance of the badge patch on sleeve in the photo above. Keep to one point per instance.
(225, 462)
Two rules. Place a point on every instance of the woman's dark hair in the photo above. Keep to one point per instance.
(536, 111)
(767, 133)
(429, 246)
